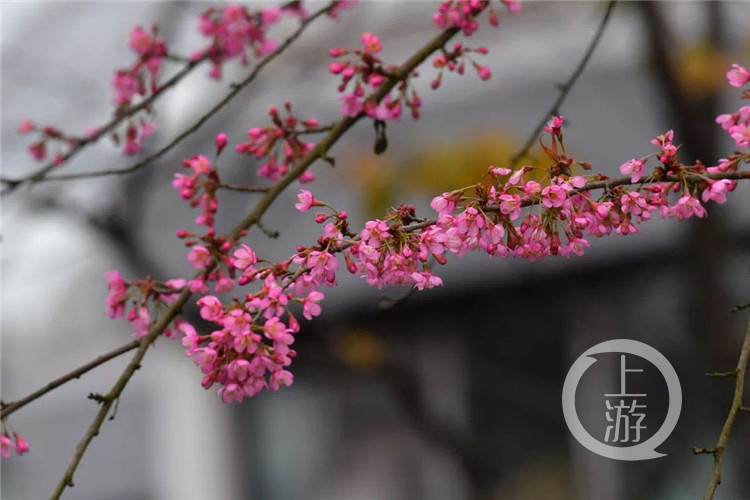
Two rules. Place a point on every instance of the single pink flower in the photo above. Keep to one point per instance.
(211, 308)
(554, 126)
(311, 306)
(221, 142)
(633, 168)
(371, 42)
(6, 445)
(26, 126)
(306, 201)
(738, 76)
(351, 105)
(200, 257)
(21, 445)
(244, 257)
(553, 196)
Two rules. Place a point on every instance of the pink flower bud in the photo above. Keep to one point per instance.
(221, 142)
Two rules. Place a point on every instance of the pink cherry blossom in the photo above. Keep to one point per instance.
(633, 168)
(371, 42)
(553, 196)
(311, 304)
(444, 204)
(21, 445)
(244, 257)
(306, 201)
(26, 126)
(200, 257)
(211, 308)
(351, 105)
(738, 76)
(554, 126)
(686, 207)
(6, 445)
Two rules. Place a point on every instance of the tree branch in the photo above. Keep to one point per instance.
(108, 400)
(566, 87)
(718, 450)
(8, 408)
(236, 89)
(40, 174)
(319, 151)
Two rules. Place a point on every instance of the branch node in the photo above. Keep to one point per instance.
(732, 373)
(268, 232)
(740, 307)
(99, 398)
(697, 450)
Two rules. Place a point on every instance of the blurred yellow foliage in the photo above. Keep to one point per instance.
(445, 166)
(361, 349)
(700, 69)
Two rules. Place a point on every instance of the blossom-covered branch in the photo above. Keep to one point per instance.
(231, 33)
(207, 262)
(78, 144)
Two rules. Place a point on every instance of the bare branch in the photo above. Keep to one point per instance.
(566, 87)
(718, 450)
(8, 408)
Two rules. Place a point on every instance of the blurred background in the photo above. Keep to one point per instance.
(452, 393)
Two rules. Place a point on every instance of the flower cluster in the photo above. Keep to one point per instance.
(561, 217)
(462, 14)
(145, 296)
(142, 76)
(48, 136)
(737, 124)
(235, 31)
(7, 445)
(365, 72)
(454, 60)
(511, 213)
(279, 144)
(200, 186)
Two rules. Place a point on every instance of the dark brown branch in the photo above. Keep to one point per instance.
(566, 87)
(9, 408)
(718, 450)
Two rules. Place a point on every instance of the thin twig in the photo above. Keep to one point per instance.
(319, 151)
(243, 189)
(566, 87)
(9, 408)
(718, 450)
(740, 307)
(121, 116)
(235, 89)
